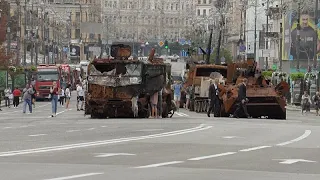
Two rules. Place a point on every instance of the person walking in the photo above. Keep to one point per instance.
(177, 87)
(67, 95)
(62, 96)
(27, 93)
(16, 97)
(214, 98)
(316, 100)
(33, 97)
(80, 97)
(242, 99)
(154, 104)
(54, 91)
(7, 94)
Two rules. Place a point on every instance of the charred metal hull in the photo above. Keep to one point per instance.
(271, 107)
(102, 108)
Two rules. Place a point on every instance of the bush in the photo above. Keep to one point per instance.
(296, 76)
(267, 74)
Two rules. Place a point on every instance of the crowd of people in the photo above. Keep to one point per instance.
(56, 95)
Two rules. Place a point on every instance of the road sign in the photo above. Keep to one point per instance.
(161, 43)
(292, 161)
(274, 67)
(182, 41)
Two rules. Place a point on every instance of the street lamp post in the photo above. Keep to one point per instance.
(298, 39)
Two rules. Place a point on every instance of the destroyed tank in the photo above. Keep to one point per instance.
(265, 100)
(119, 87)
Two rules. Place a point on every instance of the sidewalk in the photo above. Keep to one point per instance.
(298, 108)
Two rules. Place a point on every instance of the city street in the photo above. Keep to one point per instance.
(188, 146)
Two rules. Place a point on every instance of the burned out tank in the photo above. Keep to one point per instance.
(265, 100)
(120, 87)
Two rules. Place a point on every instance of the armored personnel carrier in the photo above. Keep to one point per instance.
(119, 87)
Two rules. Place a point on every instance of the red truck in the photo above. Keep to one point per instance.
(46, 75)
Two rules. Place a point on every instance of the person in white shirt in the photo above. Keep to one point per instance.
(80, 97)
(62, 96)
(67, 95)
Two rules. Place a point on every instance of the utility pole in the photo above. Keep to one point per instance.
(255, 30)
(18, 59)
(315, 41)
(267, 30)
(280, 49)
(37, 37)
(25, 34)
(298, 39)
(8, 40)
(32, 33)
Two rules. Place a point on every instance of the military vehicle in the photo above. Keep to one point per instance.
(265, 100)
(119, 87)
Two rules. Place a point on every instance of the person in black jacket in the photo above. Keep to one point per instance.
(242, 99)
(214, 98)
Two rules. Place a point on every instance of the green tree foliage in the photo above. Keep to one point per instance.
(295, 76)
(223, 53)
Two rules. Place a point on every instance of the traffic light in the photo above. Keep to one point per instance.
(166, 44)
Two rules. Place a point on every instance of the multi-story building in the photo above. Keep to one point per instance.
(209, 16)
(50, 29)
(140, 21)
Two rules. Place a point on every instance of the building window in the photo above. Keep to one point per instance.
(199, 1)
(210, 1)
(204, 1)
(204, 12)
(198, 12)
(77, 34)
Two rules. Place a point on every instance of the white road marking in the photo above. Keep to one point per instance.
(103, 126)
(90, 129)
(150, 130)
(100, 143)
(305, 135)
(76, 176)
(7, 127)
(254, 148)
(211, 156)
(61, 112)
(73, 131)
(292, 161)
(35, 135)
(159, 164)
(229, 137)
(26, 126)
(182, 114)
(114, 154)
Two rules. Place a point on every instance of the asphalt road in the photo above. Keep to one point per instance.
(188, 146)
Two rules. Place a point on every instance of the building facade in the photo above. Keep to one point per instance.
(140, 21)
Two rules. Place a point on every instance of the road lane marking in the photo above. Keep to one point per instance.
(229, 137)
(103, 126)
(7, 127)
(305, 135)
(26, 126)
(36, 135)
(101, 143)
(292, 161)
(76, 176)
(90, 129)
(73, 131)
(61, 112)
(114, 154)
(254, 148)
(211, 156)
(150, 130)
(182, 114)
(159, 164)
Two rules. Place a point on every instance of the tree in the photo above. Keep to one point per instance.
(224, 53)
